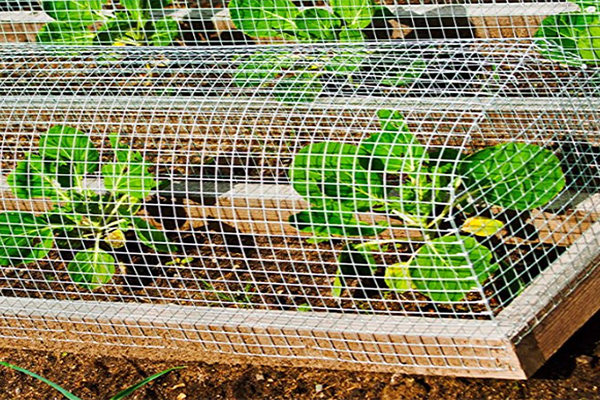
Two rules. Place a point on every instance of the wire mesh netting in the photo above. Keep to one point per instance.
(411, 165)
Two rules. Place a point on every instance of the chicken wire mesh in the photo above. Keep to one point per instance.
(417, 174)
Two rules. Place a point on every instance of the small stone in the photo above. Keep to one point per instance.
(397, 379)
(318, 388)
(584, 360)
(179, 385)
(259, 377)
(181, 396)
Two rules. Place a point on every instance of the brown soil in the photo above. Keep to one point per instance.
(573, 373)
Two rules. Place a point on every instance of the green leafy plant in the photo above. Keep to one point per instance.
(340, 20)
(70, 396)
(297, 77)
(572, 38)
(90, 224)
(83, 23)
(356, 192)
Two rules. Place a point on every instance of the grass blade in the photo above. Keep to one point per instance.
(138, 385)
(62, 391)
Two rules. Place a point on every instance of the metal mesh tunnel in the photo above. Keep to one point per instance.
(404, 187)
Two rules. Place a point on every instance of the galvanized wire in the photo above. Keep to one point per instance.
(219, 128)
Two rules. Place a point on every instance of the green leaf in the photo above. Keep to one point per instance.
(152, 237)
(33, 178)
(570, 38)
(331, 222)
(514, 175)
(264, 18)
(401, 71)
(164, 32)
(64, 34)
(130, 390)
(350, 35)
(129, 175)
(133, 6)
(397, 277)
(339, 284)
(67, 144)
(589, 45)
(396, 147)
(357, 13)
(583, 4)
(304, 308)
(345, 63)
(24, 238)
(392, 121)
(158, 4)
(298, 88)
(73, 11)
(114, 31)
(92, 268)
(261, 68)
(327, 172)
(443, 268)
(317, 24)
(64, 392)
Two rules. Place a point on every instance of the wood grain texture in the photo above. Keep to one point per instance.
(412, 345)
(556, 304)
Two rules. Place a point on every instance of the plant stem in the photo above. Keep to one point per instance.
(118, 204)
(447, 209)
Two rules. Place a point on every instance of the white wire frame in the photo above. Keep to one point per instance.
(166, 114)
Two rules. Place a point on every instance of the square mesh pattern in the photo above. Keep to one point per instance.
(382, 184)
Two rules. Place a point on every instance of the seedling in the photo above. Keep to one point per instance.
(241, 298)
(91, 224)
(340, 20)
(297, 77)
(83, 23)
(392, 174)
(70, 396)
(572, 38)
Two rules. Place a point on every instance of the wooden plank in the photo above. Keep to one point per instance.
(327, 340)
(556, 304)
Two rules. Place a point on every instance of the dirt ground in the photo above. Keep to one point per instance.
(573, 373)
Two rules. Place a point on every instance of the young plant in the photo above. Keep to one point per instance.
(83, 23)
(340, 20)
(296, 77)
(392, 175)
(89, 224)
(70, 396)
(572, 38)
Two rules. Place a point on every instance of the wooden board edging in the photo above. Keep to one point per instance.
(410, 345)
(557, 303)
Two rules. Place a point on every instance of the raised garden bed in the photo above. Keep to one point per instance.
(420, 206)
